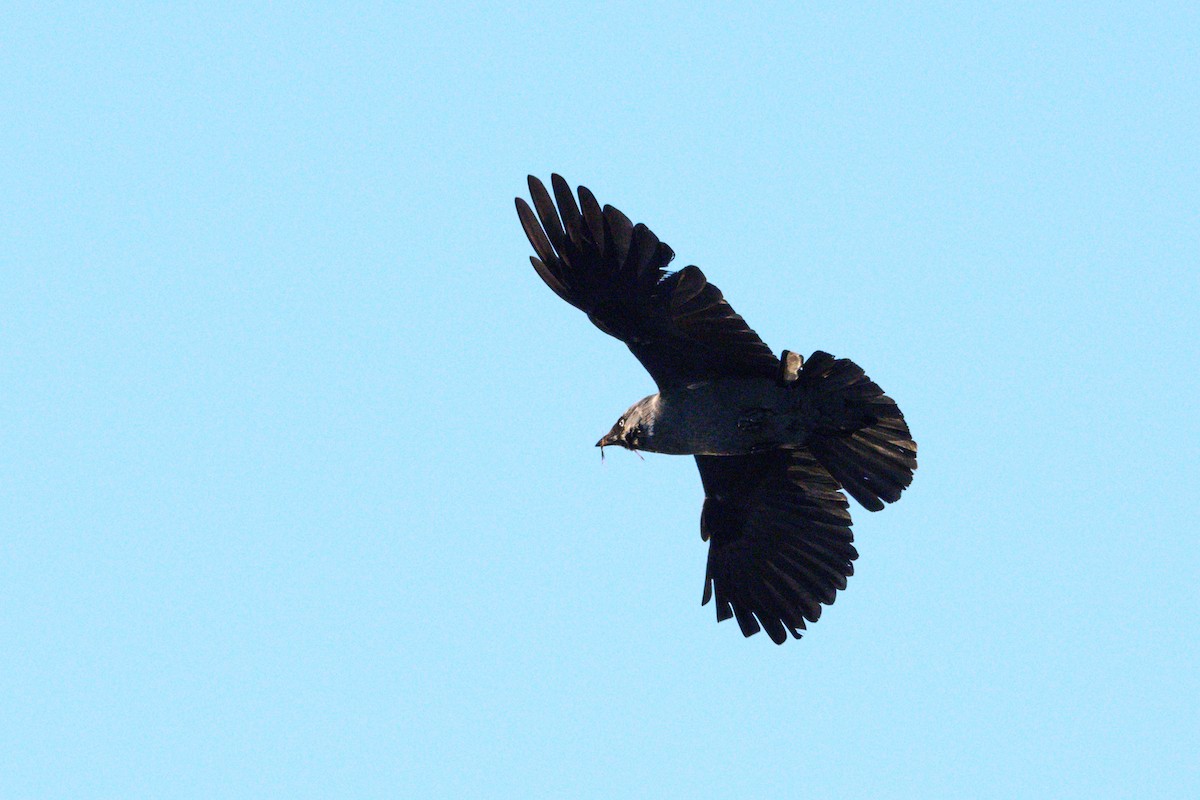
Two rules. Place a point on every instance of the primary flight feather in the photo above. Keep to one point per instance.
(775, 439)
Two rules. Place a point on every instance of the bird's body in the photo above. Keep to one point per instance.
(722, 417)
(775, 439)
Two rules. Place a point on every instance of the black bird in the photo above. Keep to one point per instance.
(775, 439)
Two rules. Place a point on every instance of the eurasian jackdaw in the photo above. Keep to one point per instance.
(774, 438)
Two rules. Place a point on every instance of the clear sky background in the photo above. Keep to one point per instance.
(298, 490)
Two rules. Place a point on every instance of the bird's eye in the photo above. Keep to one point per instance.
(621, 422)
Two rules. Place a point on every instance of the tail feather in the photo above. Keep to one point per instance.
(861, 436)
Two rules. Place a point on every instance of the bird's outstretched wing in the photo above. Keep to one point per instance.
(677, 324)
(779, 538)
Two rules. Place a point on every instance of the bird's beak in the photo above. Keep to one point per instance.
(609, 439)
(613, 437)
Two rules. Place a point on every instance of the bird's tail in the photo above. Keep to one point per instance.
(861, 436)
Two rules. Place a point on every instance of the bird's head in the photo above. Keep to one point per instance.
(635, 427)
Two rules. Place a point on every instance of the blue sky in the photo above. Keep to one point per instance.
(297, 483)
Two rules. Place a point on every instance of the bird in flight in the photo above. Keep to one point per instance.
(776, 439)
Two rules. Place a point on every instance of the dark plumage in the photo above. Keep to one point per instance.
(775, 439)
